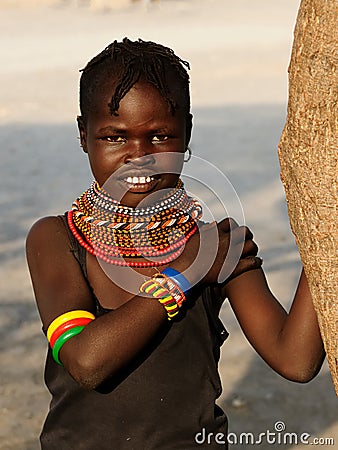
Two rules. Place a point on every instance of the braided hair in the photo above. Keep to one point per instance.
(126, 62)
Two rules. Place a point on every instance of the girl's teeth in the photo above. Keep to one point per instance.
(139, 180)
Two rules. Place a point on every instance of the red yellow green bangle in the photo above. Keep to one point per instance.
(65, 318)
(79, 321)
(63, 339)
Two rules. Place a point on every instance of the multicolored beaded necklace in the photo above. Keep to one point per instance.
(112, 231)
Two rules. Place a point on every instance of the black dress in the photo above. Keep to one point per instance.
(167, 400)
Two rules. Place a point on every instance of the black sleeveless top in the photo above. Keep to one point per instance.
(166, 401)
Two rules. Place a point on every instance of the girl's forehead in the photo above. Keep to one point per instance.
(113, 83)
(141, 89)
(142, 95)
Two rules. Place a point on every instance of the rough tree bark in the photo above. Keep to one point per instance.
(308, 153)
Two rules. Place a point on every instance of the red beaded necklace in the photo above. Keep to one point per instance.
(112, 231)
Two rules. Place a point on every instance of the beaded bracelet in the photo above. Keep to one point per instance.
(156, 290)
(172, 287)
(65, 327)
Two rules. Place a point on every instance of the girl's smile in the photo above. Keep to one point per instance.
(126, 145)
(140, 183)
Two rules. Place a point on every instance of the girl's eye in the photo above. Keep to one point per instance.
(159, 138)
(115, 139)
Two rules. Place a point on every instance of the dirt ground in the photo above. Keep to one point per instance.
(239, 52)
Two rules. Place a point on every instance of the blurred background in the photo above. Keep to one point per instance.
(239, 53)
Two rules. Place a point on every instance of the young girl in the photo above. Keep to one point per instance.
(131, 318)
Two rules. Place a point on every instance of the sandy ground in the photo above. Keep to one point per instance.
(239, 52)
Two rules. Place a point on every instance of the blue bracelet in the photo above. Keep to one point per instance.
(177, 278)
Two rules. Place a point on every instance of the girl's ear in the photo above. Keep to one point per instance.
(83, 133)
(188, 129)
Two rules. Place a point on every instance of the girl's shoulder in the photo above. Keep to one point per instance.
(46, 231)
(45, 224)
(47, 243)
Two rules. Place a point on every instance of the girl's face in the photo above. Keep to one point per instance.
(127, 144)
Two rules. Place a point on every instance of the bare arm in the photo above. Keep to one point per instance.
(290, 343)
(108, 343)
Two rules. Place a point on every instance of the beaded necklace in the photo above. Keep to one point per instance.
(112, 231)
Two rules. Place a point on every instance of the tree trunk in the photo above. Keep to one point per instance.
(308, 154)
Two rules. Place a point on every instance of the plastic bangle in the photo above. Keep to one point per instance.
(65, 326)
(178, 278)
(62, 340)
(65, 317)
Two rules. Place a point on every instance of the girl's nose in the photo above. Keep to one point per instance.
(139, 153)
(142, 160)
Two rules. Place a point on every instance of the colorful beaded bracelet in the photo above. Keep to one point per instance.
(156, 290)
(172, 287)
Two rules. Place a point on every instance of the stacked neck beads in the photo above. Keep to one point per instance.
(112, 231)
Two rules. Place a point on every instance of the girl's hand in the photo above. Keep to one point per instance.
(219, 252)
